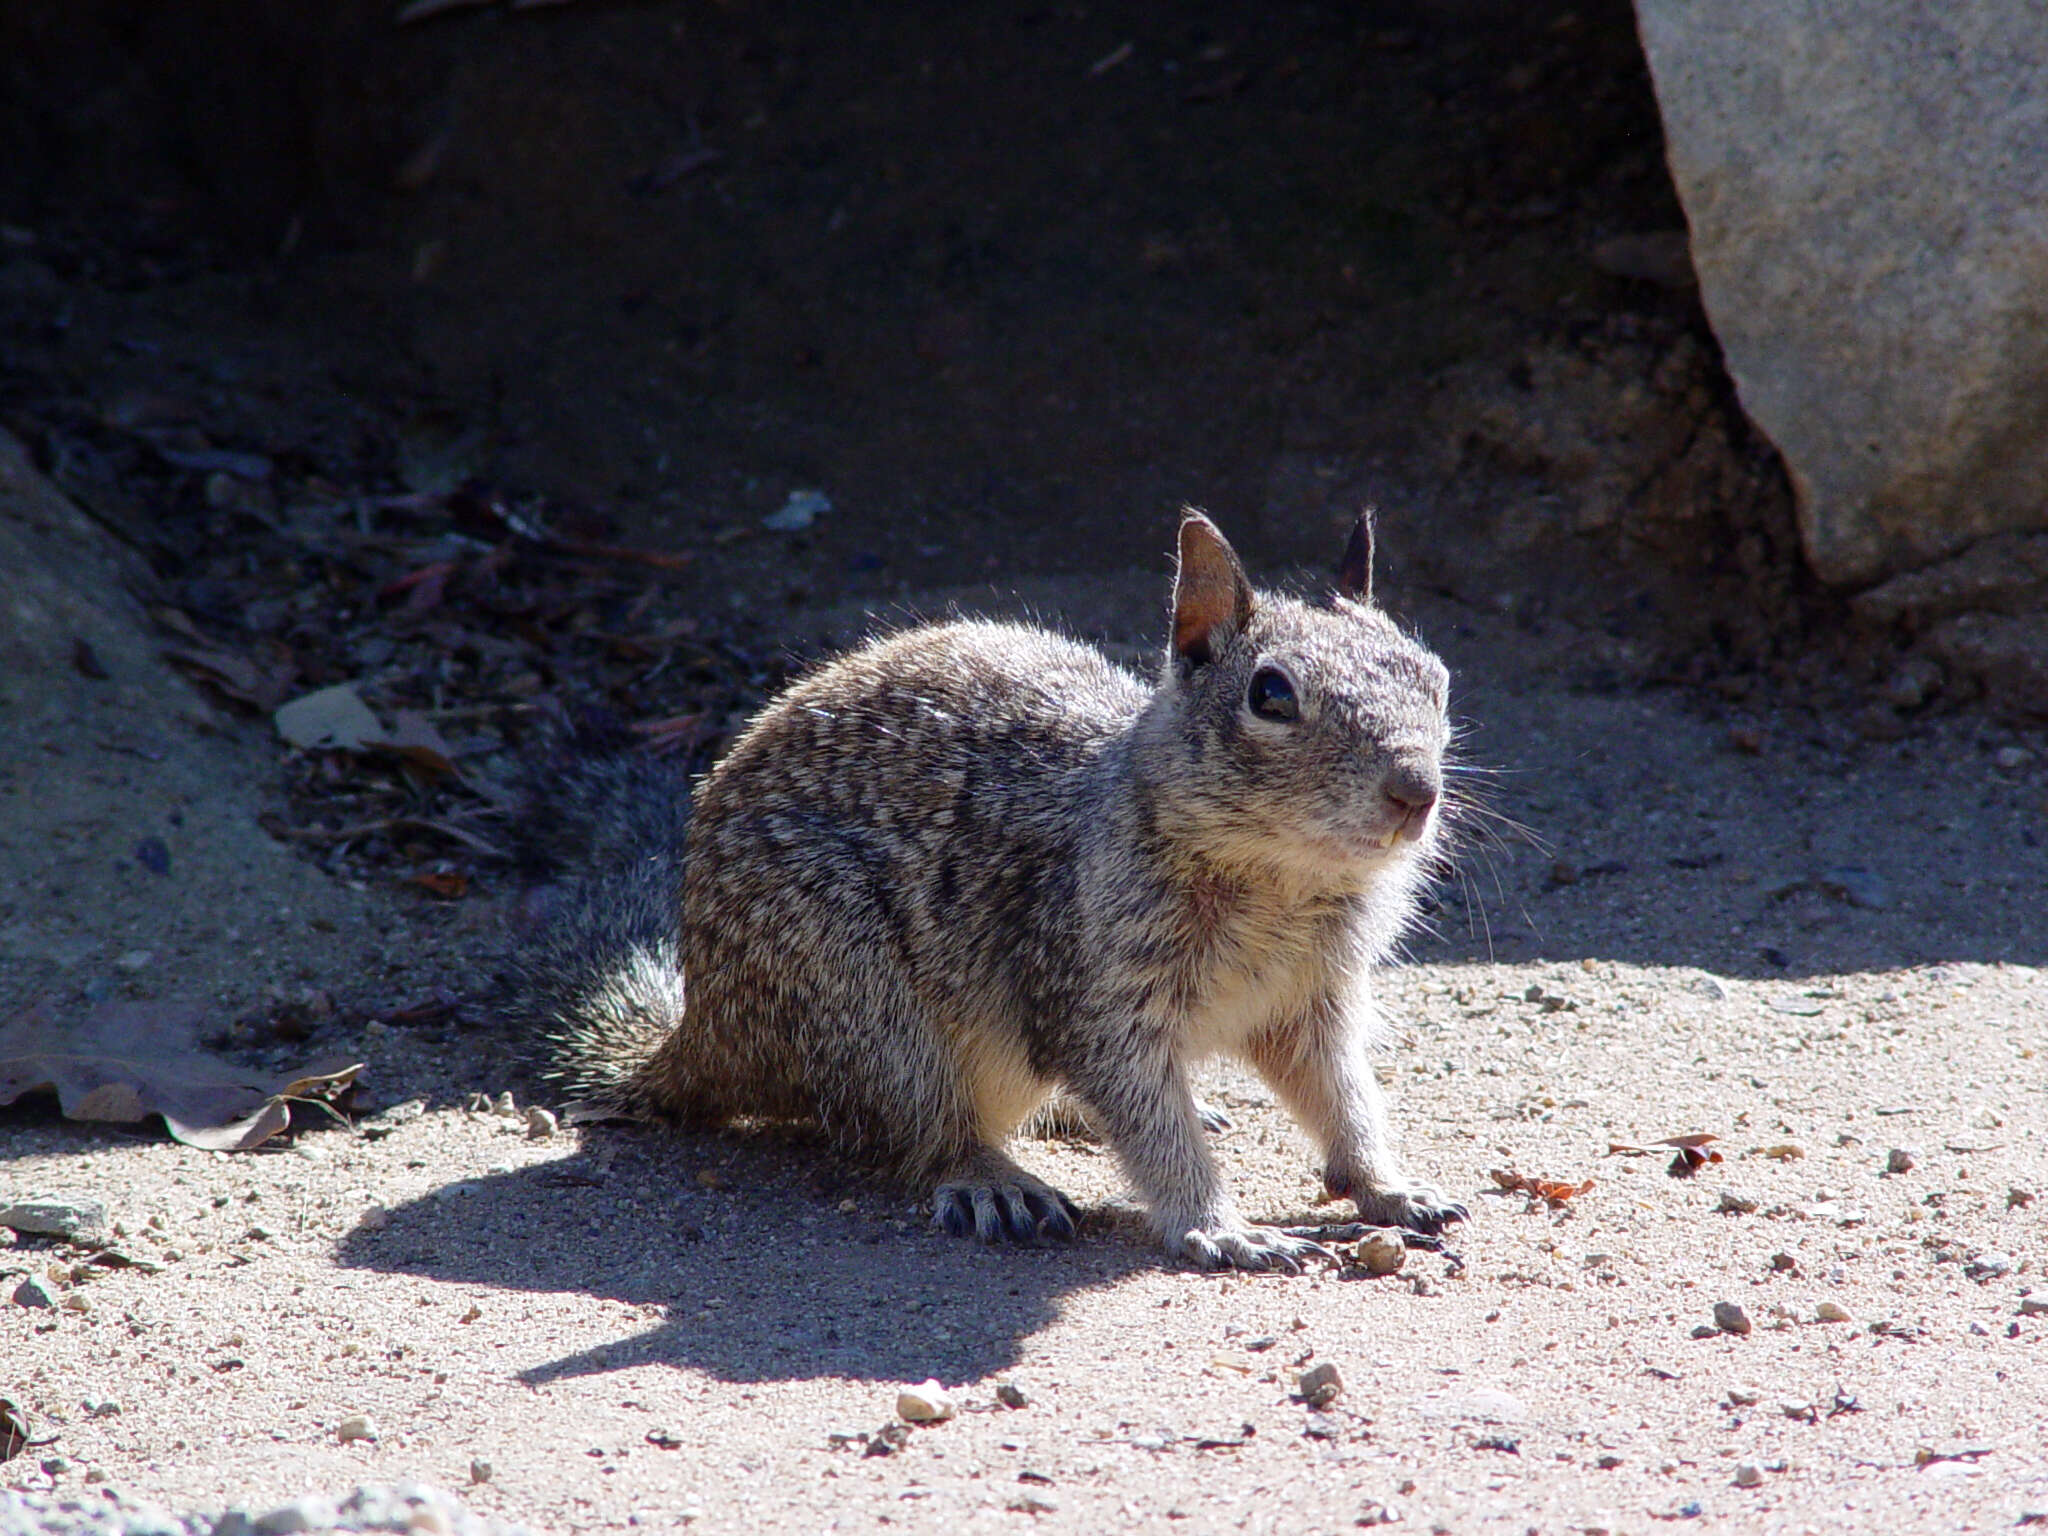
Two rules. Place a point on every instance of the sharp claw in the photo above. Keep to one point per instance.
(988, 1219)
(949, 1214)
(1018, 1216)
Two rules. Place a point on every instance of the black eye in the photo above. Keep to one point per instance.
(1272, 695)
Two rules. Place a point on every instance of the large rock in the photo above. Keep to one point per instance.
(1867, 184)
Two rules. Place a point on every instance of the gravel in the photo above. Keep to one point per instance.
(398, 1507)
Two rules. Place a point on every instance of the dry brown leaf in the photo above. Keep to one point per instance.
(1692, 1148)
(413, 737)
(329, 717)
(127, 1061)
(1552, 1191)
(234, 677)
(448, 884)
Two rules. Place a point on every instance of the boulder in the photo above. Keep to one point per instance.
(1867, 187)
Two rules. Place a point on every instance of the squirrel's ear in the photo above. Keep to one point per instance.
(1354, 573)
(1209, 593)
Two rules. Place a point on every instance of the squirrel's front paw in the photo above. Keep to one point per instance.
(1015, 1206)
(1235, 1245)
(1414, 1206)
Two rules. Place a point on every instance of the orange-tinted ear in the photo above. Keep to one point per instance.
(1354, 574)
(1211, 598)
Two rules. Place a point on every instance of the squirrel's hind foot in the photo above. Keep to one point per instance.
(990, 1198)
(1235, 1245)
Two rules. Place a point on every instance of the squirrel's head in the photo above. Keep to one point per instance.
(1308, 736)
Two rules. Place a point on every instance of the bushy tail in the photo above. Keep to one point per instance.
(597, 984)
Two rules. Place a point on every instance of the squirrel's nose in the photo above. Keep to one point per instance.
(1413, 788)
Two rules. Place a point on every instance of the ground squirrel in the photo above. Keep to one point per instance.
(973, 863)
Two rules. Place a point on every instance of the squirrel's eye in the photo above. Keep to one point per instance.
(1272, 695)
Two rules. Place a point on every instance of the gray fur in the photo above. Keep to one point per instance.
(973, 863)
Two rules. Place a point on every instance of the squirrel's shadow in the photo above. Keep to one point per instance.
(759, 1270)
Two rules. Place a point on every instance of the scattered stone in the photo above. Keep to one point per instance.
(2011, 759)
(310, 1512)
(540, 1123)
(1730, 1318)
(479, 1470)
(1745, 1397)
(887, 1440)
(1749, 1475)
(1784, 1263)
(1901, 1159)
(798, 512)
(1706, 984)
(1989, 1265)
(357, 1426)
(1010, 1395)
(75, 1221)
(76, 1303)
(1785, 1151)
(1378, 1512)
(1321, 1385)
(925, 1403)
(1381, 1252)
(1706, 1331)
(33, 1293)
(1916, 680)
(1737, 1204)
(386, 1121)
(1831, 1312)
(2033, 1306)
(1856, 886)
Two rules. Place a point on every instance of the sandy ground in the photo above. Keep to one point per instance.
(1742, 920)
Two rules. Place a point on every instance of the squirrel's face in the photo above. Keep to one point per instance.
(1315, 738)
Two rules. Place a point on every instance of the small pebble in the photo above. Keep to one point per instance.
(540, 1123)
(1010, 1395)
(76, 1221)
(479, 1470)
(1730, 1318)
(1745, 1397)
(1831, 1312)
(2033, 1306)
(1749, 1475)
(1900, 1160)
(1785, 1151)
(1321, 1385)
(2011, 759)
(1783, 1263)
(1989, 1265)
(925, 1403)
(357, 1426)
(1381, 1252)
(33, 1293)
(1737, 1204)
(310, 1513)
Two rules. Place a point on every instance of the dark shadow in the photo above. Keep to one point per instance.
(1661, 826)
(764, 1277)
